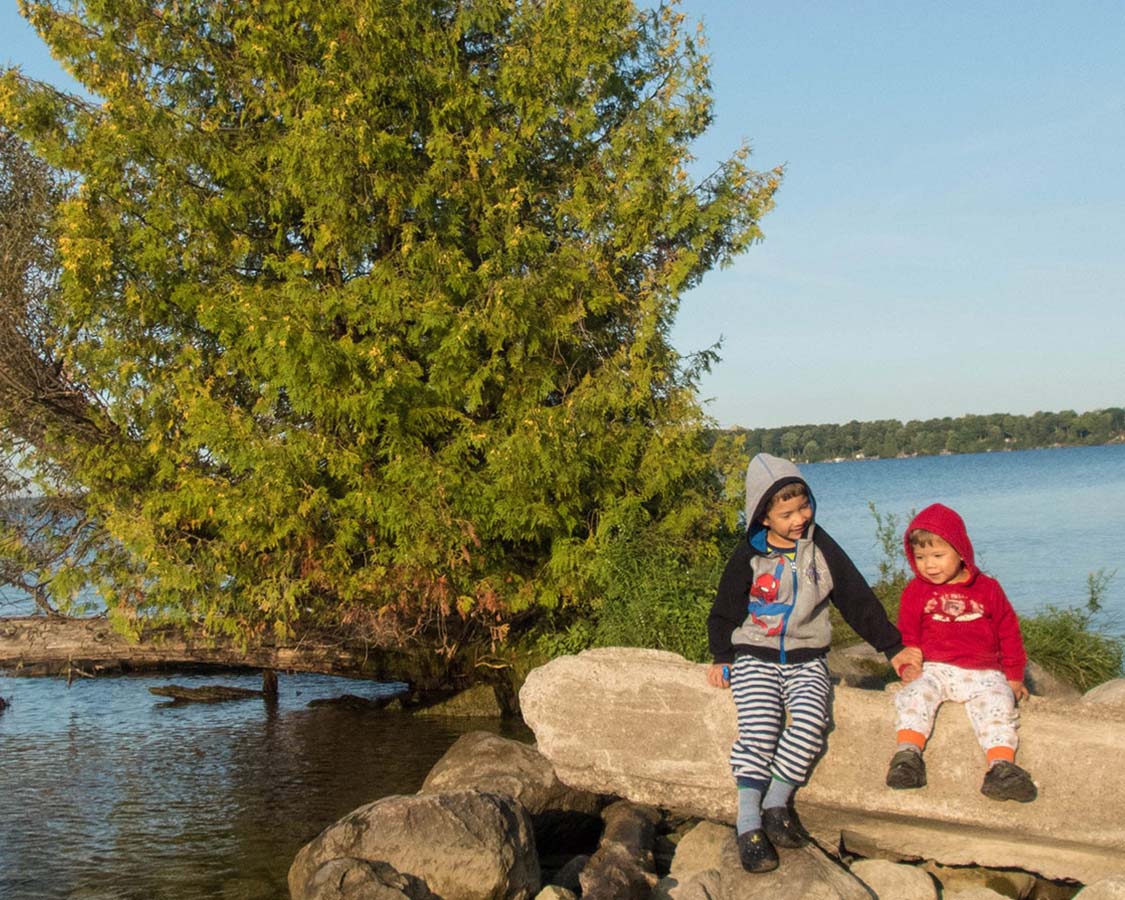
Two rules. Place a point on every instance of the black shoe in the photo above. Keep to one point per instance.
(908, 770)
(1007, 781)
(783, 828)
(755, 851)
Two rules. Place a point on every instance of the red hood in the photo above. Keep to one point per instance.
(950, 527)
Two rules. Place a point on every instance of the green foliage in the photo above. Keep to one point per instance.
(373, 301)
(654, 590)
(966, 434)
(1081, 645)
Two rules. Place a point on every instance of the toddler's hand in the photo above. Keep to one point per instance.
(1019, 689)
(907, 656)
(909, 673)
(718, 675)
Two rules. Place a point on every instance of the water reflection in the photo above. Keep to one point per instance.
(108, 791)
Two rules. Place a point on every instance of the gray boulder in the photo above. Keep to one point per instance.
(465, 844)
(360, 879)
(654, 732)
(487, 762)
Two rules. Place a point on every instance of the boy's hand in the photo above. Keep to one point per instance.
(907, 656)
(910, 672)
(718, 675)
(1019, 689)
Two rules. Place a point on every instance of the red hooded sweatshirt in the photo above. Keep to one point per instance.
(969, 624)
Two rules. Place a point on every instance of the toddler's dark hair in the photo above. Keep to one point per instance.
(919, 537)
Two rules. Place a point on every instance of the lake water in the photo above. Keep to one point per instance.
(107, 791)
(1040, 520)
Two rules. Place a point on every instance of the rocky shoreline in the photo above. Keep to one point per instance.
(625, 796)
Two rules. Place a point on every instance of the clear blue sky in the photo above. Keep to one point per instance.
(950, 234)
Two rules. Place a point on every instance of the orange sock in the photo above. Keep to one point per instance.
(1008, 754)
(906, 736)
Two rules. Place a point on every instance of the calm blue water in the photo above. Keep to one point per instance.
(107, 791)
(1040, 520)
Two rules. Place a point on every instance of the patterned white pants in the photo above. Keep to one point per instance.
(988, 700)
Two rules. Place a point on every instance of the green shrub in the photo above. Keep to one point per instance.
(893, 576)
(654, 594)
(1078, 644)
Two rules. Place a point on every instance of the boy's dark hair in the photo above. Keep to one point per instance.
(786, 492)
(919, 537)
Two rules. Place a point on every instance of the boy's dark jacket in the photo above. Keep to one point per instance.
(970, 623)
(776, 610)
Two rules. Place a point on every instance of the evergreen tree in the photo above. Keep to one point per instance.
(368, 302)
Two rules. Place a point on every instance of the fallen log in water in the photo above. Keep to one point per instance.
(43, 645)
(213, 693)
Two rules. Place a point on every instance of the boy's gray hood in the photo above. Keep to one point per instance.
(764, 475)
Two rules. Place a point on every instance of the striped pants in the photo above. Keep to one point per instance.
(763, 693)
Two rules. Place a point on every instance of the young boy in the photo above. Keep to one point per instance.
(970, 639)
(769, 634)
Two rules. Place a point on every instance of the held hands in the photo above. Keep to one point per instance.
(909, 672)
(718, 675)
(1019, 689)
(907, 663)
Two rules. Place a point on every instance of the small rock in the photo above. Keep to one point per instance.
(973, 893)
(1010, 883)
(479, 701)
(1110, 693)
(348, 878)
(623, 867)
(1042, 683)
(699, 850)
(568, 874)
(860, 666)
(353, 702)
(1112, 888)
(705, 885)
(894, 881)
(554, 892)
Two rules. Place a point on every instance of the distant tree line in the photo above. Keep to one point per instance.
(966, 434)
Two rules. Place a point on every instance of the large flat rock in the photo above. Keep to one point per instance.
(644, 725)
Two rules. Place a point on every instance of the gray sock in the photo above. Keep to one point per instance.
(749, 809)
(779, 793)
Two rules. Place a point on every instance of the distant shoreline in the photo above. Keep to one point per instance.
(893, 439)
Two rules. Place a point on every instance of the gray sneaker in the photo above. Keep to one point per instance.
(1007, 781)
(908, 770)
